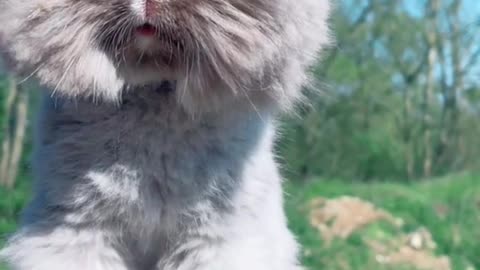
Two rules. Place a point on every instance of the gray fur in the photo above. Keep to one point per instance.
(159, 160)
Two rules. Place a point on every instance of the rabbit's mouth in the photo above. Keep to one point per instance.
(146, 38)
(149, 40)
(149, 53)
(146, 30)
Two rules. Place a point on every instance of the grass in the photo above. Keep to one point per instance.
(457, 231)
(11, 204)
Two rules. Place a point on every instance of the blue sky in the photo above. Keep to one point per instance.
(470, 9)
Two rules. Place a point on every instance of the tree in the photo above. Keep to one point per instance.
(14, 131)
(400, 95)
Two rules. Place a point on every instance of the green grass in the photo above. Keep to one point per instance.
(457, 233)
(11, 203)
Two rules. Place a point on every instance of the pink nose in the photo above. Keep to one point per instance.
(150, 8)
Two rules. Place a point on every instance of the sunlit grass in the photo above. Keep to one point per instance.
(455, 230)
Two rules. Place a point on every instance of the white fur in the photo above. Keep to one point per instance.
(138, 7)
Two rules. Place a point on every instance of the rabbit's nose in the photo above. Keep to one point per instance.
(145, 9)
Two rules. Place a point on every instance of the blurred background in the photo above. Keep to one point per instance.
(383, 167)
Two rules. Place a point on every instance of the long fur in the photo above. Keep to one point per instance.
(159, 159)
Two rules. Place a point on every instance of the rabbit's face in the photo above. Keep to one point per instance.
(98, 47)
(151, 40)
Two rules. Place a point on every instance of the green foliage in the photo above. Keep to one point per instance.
(380, 116)
(11, 204)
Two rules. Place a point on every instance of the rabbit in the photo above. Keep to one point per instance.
(154, 143)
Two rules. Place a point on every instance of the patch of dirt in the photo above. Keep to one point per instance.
(415, 249)
(343, 216)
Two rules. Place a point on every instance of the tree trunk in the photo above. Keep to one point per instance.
(12, 93)
(458, 81)
(14, 131)
(407, 136)
(431, 35)
(17, 142)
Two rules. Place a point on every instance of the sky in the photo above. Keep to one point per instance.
(470, 9)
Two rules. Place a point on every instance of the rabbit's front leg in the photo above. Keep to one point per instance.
(61, 248)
